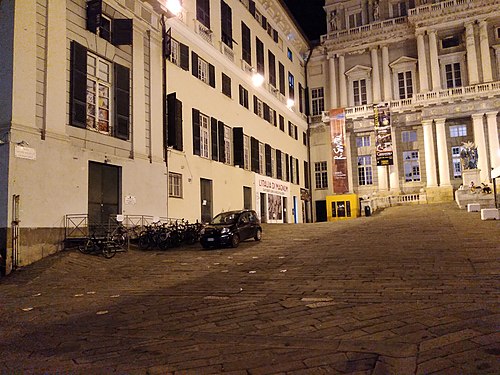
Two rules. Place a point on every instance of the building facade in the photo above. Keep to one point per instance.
(434, 67)
(95, 121)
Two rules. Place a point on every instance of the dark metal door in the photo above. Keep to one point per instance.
(206, 200)
(247, 197)
(104, 192)
(263, 208)
(320, 211)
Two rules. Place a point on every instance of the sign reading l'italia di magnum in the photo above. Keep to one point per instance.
(383, 136)
(339, 154)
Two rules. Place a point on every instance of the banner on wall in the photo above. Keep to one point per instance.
(339, 153)
(383, 135)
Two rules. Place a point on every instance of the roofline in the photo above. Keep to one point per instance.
(289, 12)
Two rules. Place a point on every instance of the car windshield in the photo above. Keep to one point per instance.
(225, 218)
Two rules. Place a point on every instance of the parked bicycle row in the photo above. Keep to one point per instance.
(225, 229)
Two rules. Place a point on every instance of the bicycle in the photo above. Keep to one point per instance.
(99, 245)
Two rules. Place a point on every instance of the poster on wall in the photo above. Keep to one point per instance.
(339, 154)
(383, 135)
(274, 207)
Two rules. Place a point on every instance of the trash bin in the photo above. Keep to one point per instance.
(368, 211)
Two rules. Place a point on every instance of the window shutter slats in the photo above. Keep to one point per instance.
(297, 171)
(238, 147)
(251, 7)
(279, 169)
(222, 154)
(94, 13)
(254, 154)
(287, 166)
(78, 85)
(211, 75)
(184, 50)
(267, 115)
(255, 105)
(174, 130)
(122, 101)
(194, 66)
(269, 171)
(196, 132)
(214, 138)
(122, 32)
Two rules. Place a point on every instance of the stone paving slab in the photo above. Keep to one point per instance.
(410, 290)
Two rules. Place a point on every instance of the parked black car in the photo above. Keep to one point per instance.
(230, 228)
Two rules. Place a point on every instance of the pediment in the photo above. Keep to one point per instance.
(403, 60)
(359, 70)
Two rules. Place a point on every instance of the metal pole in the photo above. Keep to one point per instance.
(164, 96)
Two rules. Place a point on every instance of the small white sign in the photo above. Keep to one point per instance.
(25, 152)
(130, 200)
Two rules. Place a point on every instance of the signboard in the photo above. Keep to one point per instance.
(25, 152)
(383, 135)
(339, 155)
(265, 184)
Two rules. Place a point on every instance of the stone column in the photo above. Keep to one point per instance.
(430, 157)
(55, 113)
(375, 75)
(442, 151)
(332, 79)
(138, 94)
(436, 79)
(485, 51)
(480, 141)
(386, 74)
(422, 62)
(382, 178)
(342, 82)
(24, 73)
(470, 44)
(491, 120)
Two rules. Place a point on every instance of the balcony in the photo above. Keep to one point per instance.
(482, 90)
(227, 51)
(203, 31)
(358, 32)
(443, 7)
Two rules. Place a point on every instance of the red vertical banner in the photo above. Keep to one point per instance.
(339, 155)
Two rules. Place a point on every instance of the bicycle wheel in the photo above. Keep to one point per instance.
(108, 250)
(144, 241)
(119, 240)
(87, 247)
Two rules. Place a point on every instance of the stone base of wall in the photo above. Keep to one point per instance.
(34, 244)
(439, 194)
(464, 197)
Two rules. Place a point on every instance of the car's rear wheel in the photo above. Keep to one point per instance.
(235, 240)
(258, 235)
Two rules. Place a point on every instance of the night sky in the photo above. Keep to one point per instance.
(310, 16)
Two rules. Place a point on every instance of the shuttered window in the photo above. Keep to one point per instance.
(226, 24)
(203, 12)
(272, 68)
(260, 56)
(246, 44)
(95, 82)
(238, 147)
(173, 134)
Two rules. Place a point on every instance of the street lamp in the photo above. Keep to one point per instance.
(257, 79)
(174, 7)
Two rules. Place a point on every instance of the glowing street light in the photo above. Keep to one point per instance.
(257, 79)
(290, 103)
(174, 6)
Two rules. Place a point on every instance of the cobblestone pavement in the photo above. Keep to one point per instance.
(411, 290)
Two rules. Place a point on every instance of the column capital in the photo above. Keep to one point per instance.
(431, 31)
(477, 116)
(440, 121)
(331, 55)
(469, 25)
(427, 122)
(420, 32)
(482, 22)
(491, 114)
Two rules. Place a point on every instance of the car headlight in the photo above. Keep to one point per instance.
(224, 230)
(202, 231)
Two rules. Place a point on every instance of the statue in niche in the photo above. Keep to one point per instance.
(468, 156)
(376, 14)
(333, 20)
